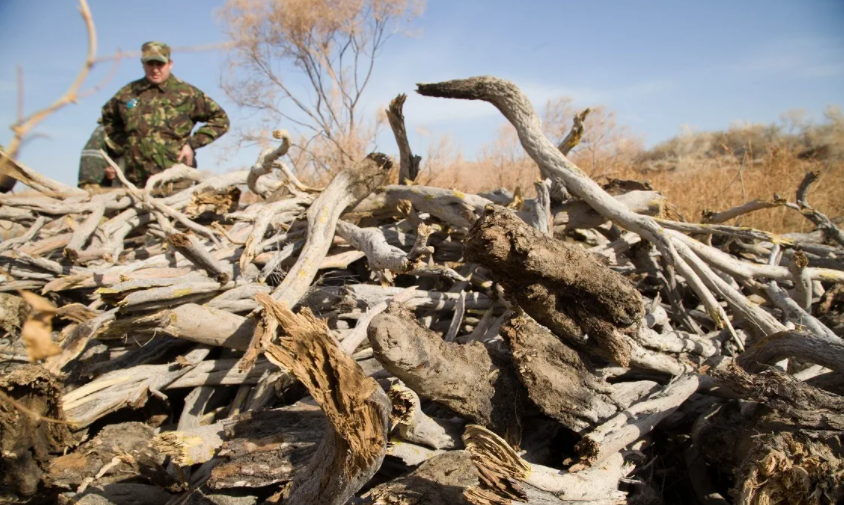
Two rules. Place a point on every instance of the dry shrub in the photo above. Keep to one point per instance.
(726, 182)
(305, 64)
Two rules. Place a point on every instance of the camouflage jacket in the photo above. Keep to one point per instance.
(6, 182)
(91, 163)
(148, 124)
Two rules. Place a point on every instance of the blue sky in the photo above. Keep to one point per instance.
(658, 64)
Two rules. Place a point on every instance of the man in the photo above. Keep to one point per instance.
(95, 174)
(149, 121)
(7, 183)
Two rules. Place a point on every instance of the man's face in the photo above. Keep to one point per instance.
(156, 71)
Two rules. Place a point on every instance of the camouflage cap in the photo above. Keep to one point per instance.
(155, 51)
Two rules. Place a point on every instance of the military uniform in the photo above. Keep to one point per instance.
(92, 166)
(7, 183)
(148, 124)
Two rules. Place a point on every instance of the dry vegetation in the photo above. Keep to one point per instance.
(695, 171)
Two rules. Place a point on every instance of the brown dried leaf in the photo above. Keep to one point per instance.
(38, 303)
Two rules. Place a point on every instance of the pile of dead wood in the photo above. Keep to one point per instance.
(403, 344)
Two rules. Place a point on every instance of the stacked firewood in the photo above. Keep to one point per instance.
(402, 344)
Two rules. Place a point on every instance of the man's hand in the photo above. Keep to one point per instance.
(186, 155)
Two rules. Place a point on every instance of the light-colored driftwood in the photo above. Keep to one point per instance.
(346, 189)
(408, 163)
(123, 388)
(636, 332)
(633, 423)
(264, 165)
(540, 216)
(415, 426)
(818, 218)
(824, 350)
(723, 216)
(26, 237)
(552, 163)
(196, 253)
(506, 476)
(158, 207)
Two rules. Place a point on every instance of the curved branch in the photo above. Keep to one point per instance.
(264, 165)
(29, 177)
(810, 347)
(408, 164)
(823, 223)
(515, 106)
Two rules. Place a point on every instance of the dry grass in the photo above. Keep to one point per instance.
(711, 184)
(727, 182)
(696, 171)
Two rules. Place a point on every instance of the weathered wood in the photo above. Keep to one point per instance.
(480, 384)
(355, 442)
(268, 447)
(561, 382)
(124, 388)
(26, 441)
(268, 156)
(408, 163)
(559, 285)
(633, 423)
(723, 216)
(415, 426)
(441, 479)
(119, 452)
(84, 232)
(832, 232)
(575, 134)
(810, 347)
(26, 237)
(346, 189)
(507, 478)
(191, 249)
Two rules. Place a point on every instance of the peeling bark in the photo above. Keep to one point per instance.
(355, 443)
(119, 452)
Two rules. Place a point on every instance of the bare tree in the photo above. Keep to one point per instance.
(333, 45)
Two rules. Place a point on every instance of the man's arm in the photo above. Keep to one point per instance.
(115, 130)
(216, 121)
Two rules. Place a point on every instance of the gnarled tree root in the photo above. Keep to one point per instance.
(784, 445)
(560, 285)
(560, 381)
(472, 380)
